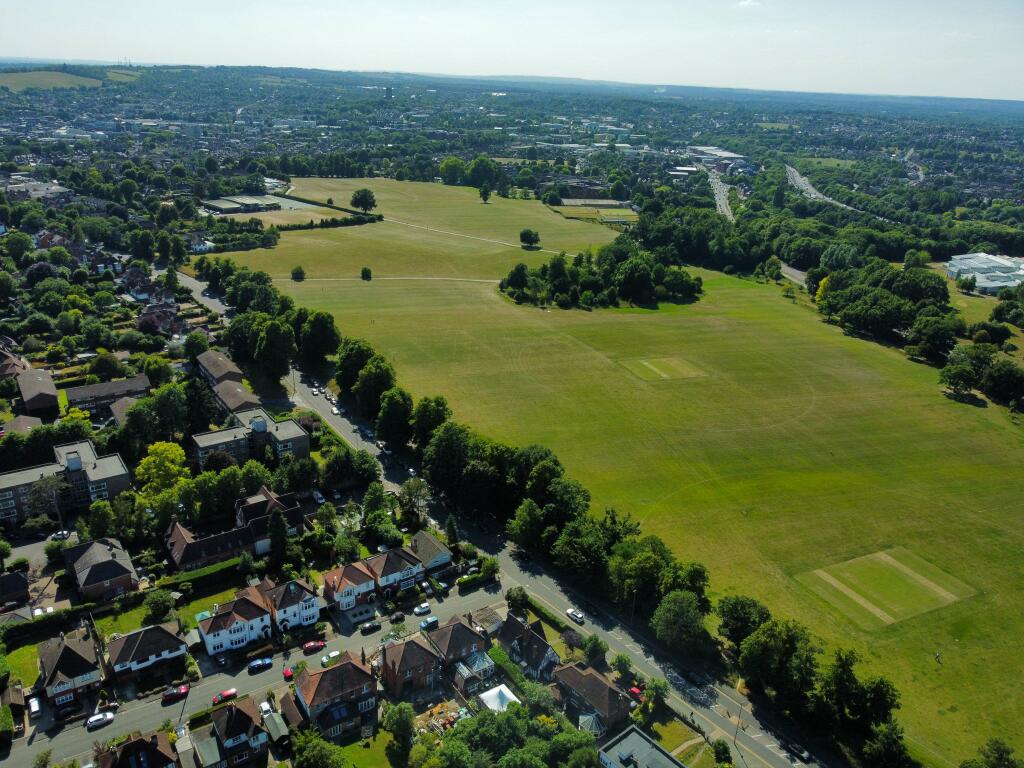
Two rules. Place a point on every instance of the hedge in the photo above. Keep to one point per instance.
(322, 204)
(51, 624)
(507, 666)
(547, 616)
(202, 578)
(6, 724)
(473, 581)
(204, 716)
(332, 223)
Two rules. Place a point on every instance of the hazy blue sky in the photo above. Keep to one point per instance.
(926, 47)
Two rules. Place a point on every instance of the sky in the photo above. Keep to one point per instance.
(906, 47)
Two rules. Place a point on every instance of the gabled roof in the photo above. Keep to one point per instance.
(455, 635)
(527, 640)
(119, 408)
(23, 424)
(325, 685)
(596, 689)
(234, 396)
(263, 502)
(62, 659)
(409, 654)
(13, 584)
(152, 751)
(95, 562)
(229, 613)
(353, 574)
(143, 643)
(117, 388)
(239, 718)
(218, 365)
(391, 562)
(186, 549)
(290, 593)
(35, 383)
(426, 546)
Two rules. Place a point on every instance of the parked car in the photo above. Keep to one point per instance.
(427, 589)
(397, 617)
(318, 497)
(370, 626)
(313, 646)
(110, 706)
(222, 660)
(176, 693)
(575, 614)
(430, 622)
(288, 673)
(412, 472)
(327, 660)
(265, 709)
(34, 710)
(336, 494)
(335, 411)
(99, 720)
(258, 665)
(635, 693)
(422, 609)
(443, 587)
(60, 535)
(314, 391)
(225, 695)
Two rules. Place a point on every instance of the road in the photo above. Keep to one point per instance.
(721, 192)
(808, 190)
(794, 274)
(720, 710)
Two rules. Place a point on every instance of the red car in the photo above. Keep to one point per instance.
(223, 696)
(313, 646)
(636, 693)
(176, 693)
(289, 673)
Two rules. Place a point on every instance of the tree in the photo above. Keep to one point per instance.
(376, 378)
(162, 468)
(318, 337)
(958, 378)
(451, 531)
(529, 238)
(678, 621)
(353, 354)
(158, 604)
(44, 497)
(195, 344)
(400, 721)
(740, 616)
(452, 170)
(518, 600)
(327, 517)
(1003, 381)
(278, 530)
(427, 416)
(255, 475)
(413, 497)
(393, 419)
(885, 748)
(485, 193)
(366, 274)
(594, 648)
(101, 519)
(934, 337)
(275, 349)
(622, 664)
(298, 274)
(780, 656)
(723, 755)
(996, 753)
(364, 200)
(5, 552)
(158, 370)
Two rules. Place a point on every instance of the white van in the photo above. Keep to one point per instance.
(34, 710)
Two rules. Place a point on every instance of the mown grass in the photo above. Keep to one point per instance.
(799, 448)
(24, 664)
(121, 623)
(45, 79)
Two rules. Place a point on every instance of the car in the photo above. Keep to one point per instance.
(318, 497)
(288, 673)
(265, 710)
(412, 472)
(99, 720)
(343, 411)
(370, 626)
(222, 660)
(314, 391)
(34, 709)
(430, 622)
(258, 665)
(422, 609)
(176, 693)
(442, 587)
(427, 589)
(110, 706)
(335, 411)
(575, 614)
(635, 693)
(473, 570)
(60, 535)
(380, 444)
(328, 659)
(225, 695)
(313, 646)
(397, 617)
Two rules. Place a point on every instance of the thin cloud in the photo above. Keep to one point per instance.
(748, 3)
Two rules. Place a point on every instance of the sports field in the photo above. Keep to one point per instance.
(20, 81)
(772, 447)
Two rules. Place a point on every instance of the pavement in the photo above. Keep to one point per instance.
(720, 710)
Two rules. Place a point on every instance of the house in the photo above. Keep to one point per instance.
(119, 409)
(338, 699)
(38, 392)
(456, 640)
(255, 511)
(10, 364)
(525, 645)
(216, 367)
(349, 586)
(143, 648)
(234, 625)
(234, 737)
(152, 751)
(597, 704)
(632, 748)
(102, 569)
(69, 666)
(13, 589)
(21, 615)
(292, 604)
(432, 553)
(409, 666)
(394, 570)
(187, 552)
(253, 432)
(97, 398)
(22, 424)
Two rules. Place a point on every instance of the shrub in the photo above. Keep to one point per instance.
(18, 564)
(298, 274)
(508, 667)
(365, 273)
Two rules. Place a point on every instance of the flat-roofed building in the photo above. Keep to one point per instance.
(254, 430)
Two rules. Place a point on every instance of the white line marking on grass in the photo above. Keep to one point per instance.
(459, 234)
(359, 279)
(656, 370)
(858, 598)
(931, 586)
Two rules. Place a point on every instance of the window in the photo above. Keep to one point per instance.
(367, 704)
(408, 674)
(240, 757)
(64, 699)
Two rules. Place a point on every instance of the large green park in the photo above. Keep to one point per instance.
(824, 474)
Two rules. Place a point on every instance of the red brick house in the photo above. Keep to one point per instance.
(410, 666)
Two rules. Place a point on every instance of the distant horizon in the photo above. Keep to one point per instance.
(44, 61)
(924, 48)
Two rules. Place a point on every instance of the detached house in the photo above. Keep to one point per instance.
(234, 625)
(153, 751)
(38, 392)
(456, 640)
(102, 569)
(431, 552)
(235, 737)
(394, 570)
(253, 512)
(69, 666)
(598, 706)
(349, 586)
(144, 648)
(338, 699)
(188, 552)
(410, 666)
(526, 646)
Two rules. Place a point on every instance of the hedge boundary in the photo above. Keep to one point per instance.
(321, 204)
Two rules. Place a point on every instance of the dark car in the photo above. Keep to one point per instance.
(176, 693)
(258, 665)
(370, 626)
(397, 617)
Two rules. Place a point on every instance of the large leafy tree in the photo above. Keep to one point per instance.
(319, 337)
(393, 419)
(275, 349)
(780, 656)
(376, 377)
(678, 620)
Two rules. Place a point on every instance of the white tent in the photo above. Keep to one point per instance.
(498, 698)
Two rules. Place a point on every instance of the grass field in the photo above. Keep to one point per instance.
(24, 663)
(20, 81)
(290, 216)
(797, 449)
(596, 214)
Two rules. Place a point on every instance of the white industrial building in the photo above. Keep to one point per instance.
(990, 272)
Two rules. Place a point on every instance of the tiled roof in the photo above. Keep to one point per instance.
(426, 546)
(238, 718)
(289, 594)
(96, 562)
(64, 658)
(217, 365)
(143, 643)
(410, 653)
(607, 700)
(353, 574)
(231, 612)
(153, 751)
(391, 562)
(325, 685)
(454, 636)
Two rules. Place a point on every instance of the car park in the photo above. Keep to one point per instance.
(422, 609)
(176, 693)
(329, 658)
(99, 720)
(225, 695)
(313, 646)
(575, 614)
(370, 626)
(258, 665)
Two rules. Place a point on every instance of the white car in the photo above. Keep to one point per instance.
(327, 659)
(99, 720)
(335, 411)
(265, 709)
(422, 609)
(575, 614)
(314, 391)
